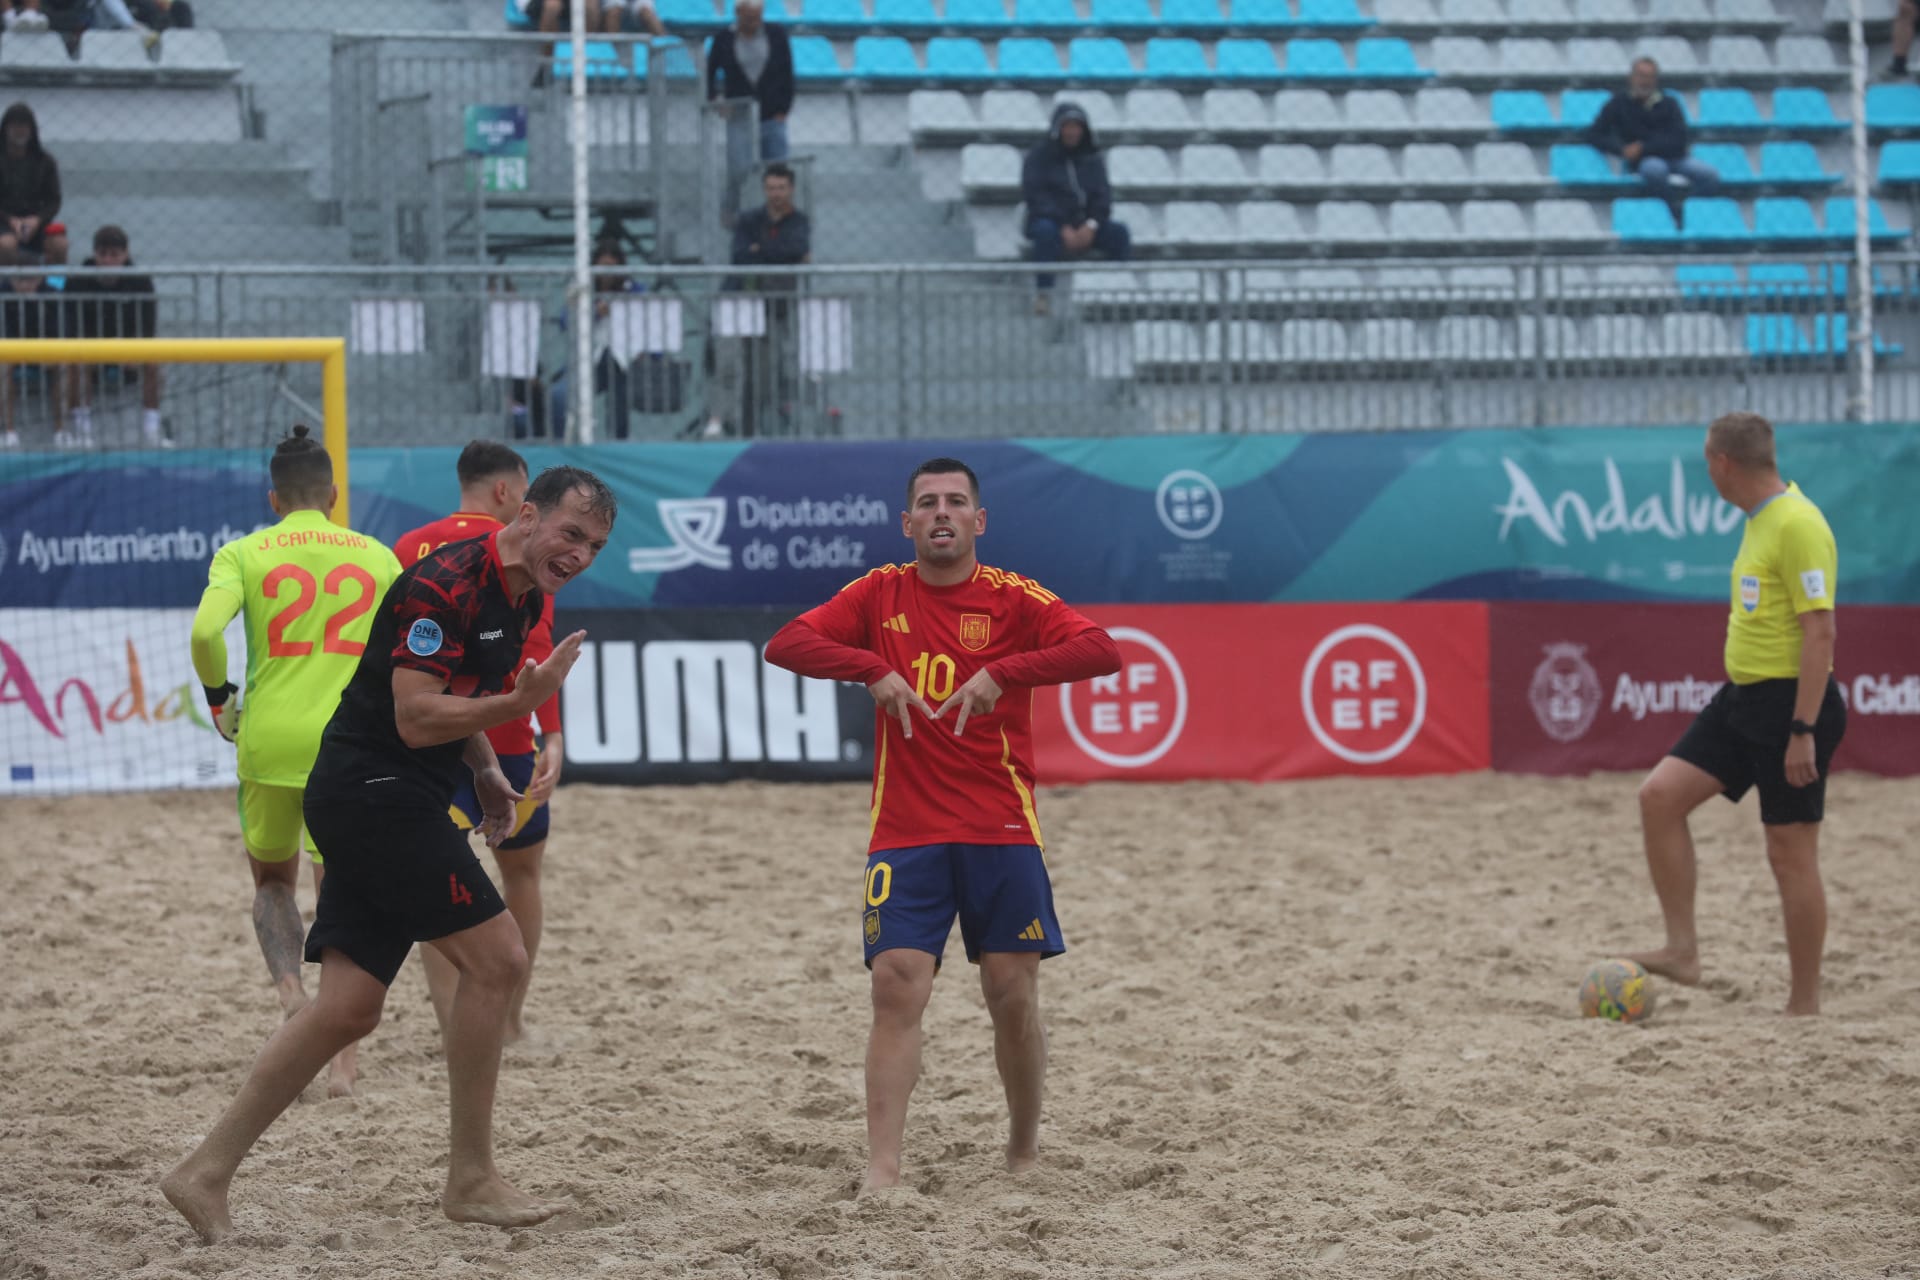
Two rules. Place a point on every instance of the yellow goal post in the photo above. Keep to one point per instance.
(329, 353)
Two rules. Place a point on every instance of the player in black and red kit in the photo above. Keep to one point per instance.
(954, 831)
(493, 484)
(413, 718)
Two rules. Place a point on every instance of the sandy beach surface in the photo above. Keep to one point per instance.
(1319, 1029)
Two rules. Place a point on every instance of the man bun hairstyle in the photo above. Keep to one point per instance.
(943, 467)
(485, 459)
(301, 468)
(1745, 439)
(551, 487)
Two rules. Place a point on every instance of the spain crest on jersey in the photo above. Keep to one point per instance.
(974, 629)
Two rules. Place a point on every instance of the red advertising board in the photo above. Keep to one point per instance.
(1579, 687)
(1265, 691)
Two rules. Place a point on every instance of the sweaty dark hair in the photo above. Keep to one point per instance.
(943, 467)
(551, 487)
(484, 459)
(301, 469)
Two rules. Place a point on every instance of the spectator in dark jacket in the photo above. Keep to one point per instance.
(29, 188)
(1648, 130)
(118, 303)
(1069, 203)
(751, 61)
(776, 234)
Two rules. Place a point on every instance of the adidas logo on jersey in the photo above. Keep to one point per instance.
(898, 622)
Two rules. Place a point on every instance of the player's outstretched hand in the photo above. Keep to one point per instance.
(541, 680)
(497, 800)
(974, 698)
(897, 698)
(546, 771)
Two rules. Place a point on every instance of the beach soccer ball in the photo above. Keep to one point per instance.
(1617, 990)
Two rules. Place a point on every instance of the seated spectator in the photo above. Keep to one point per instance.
(71, 17)
(1904, 20)
(162, 14)
(117, 305)
(22, 15)
(750, 62)
(617, 16)
(1648, 130)
(29, 188)
(1063, 182)
(611, 376)
(30, 308)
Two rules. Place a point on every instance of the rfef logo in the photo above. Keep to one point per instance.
(1188, 503)
(1364, 694)
(1133, 717)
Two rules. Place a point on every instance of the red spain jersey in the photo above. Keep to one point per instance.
(516, 737)
(936, 787)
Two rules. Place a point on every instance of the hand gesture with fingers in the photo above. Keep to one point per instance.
(897, 698)
(974, 698)
(497, 800)
(540, 681)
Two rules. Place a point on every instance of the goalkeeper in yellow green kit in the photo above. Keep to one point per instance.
(307, 588)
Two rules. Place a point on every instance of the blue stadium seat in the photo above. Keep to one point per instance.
(1046, 15)
(1522, 111)
(517, 19)
(697, 15)
(1387, 59)
(1830, 337)
(838, 15)
(1643, 219)
(1772, 335)
(1332, 13)
(1099, 58)
(603, 61)
(1899, 162)
(885, 58)
(1246, 60)
(1306, 59)
(1840, 221)
(1729, 160)
(1574, 164)
(1807, 110)
(1714, 218)
(1707, 279)
(906, 15)
(1192, 15)
(1176, 58)
(1028, 58)
(1260, 15)
(1580, 107)
(1793, 163)
(1123, 15)
(957, 58)
(1784, 218)
(814, 59)
(1893, 106)
(677, 58)
(1727, 110)
(1779, 280)
(977, 15)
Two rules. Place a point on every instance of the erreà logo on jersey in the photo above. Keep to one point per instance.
(1133, 717)
(695, 701)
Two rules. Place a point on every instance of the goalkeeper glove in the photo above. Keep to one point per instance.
(225, 706)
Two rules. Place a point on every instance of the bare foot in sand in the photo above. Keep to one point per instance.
(200, 1200)
(496, 1203)
(1682, 965)
(881, 1176)
(343, 1072)
(293, 996)
(1022, 1162)
(1807, 1009)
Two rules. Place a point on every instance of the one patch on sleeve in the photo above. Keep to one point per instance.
(425, 638)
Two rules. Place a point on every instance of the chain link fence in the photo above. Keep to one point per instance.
(1338, 215)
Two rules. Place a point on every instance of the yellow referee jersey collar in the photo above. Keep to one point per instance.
(1791, 488)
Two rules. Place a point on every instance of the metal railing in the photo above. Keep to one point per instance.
(438, 355)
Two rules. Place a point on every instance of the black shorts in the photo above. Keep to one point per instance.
(398, 872)
(1741, 739)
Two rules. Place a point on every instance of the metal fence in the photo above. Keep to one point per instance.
(444, 354)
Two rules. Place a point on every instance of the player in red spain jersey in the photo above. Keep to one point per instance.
(951, 650)
(493, 482)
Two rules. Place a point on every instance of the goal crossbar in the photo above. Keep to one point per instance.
(329, 353)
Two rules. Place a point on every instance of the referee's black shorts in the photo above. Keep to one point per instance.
(1741, 739)
(398, 872)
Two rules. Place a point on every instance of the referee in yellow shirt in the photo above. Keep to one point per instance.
(308, 590)
(1773, 726)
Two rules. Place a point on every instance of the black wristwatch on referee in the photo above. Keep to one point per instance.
(1799, 728)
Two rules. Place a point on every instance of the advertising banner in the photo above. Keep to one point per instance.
(1564, 514)
(668, 695)
(104, 700)
(1581, 687)
(1261, 692)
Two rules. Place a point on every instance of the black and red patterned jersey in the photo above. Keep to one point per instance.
(449, 615)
